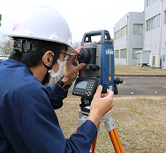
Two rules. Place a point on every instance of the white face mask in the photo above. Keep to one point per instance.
(55, 77)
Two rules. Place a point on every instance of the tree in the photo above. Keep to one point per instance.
(6, 44)
(112, 40)
(0, 18)
(75, 45)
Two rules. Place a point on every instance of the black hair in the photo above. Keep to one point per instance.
(30, 51)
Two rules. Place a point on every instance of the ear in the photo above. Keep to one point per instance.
(48, 58)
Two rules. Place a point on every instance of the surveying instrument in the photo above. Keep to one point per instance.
(99, 69)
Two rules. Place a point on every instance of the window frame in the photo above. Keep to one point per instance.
(138, 28)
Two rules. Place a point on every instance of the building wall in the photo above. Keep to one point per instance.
(130, 40)
(120, 43)
(163, 38)
(155, 39)
(152, 37)
(134, 40)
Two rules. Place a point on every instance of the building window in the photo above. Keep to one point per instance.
(138, 28)
(153, 23)
(123, 53)
(117, 35)
(124, 31)
(134, 54)
(148, 25)
(156, 21)
(116, 53)
(149, 2)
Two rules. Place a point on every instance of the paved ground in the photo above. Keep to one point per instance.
(140, 86)
(143, 86)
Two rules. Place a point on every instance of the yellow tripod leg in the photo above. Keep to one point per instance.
(117, 139)
(114, 141)
(94, 145)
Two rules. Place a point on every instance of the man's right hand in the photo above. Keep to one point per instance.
(100, 105)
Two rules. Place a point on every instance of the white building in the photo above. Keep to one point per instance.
(155, 31)
(146, 33)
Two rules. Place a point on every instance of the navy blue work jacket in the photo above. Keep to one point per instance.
(28, 123)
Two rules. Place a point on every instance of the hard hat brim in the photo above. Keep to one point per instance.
(71, 50)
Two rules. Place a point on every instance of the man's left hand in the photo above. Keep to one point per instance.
(72, 68)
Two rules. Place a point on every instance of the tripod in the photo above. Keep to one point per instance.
(110, 126)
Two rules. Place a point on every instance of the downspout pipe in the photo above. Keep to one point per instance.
(161, 12)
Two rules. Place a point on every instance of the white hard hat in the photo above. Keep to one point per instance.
(43, 23)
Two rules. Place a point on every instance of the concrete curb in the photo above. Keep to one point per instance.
(137, 75)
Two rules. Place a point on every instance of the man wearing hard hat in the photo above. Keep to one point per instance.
(28, 122)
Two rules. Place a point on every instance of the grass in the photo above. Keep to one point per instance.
(140, 123)
(140, 120)
(126, 69)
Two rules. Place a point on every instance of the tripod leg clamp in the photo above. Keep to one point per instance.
(109, 123)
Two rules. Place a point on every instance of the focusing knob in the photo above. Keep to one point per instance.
(118, 80)
(84, 56)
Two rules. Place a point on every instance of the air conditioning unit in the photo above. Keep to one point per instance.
(151, 59)
(154, 60)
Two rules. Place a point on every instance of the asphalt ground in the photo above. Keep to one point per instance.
(139, 85)
(143, 86)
